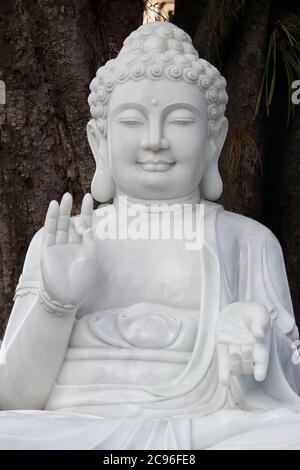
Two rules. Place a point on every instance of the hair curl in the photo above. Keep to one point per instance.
(157, 50)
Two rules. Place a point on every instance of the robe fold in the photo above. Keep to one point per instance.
(191, 410)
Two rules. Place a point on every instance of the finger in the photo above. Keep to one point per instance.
(87, 207)
(79, 226)
(62, 229)
(234, 354)
(223, 363)
(73, 235)
(88, 243)
(51, 223)
(261, 361)
(235, 359)
(260, 323)
(247, 360)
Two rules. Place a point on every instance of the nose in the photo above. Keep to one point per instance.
(154, 141)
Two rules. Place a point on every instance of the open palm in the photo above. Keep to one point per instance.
(68, 263)
(243, 340)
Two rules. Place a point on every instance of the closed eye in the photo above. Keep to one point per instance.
(181, 122)
(131, 122)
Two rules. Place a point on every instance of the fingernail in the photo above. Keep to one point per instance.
(259, 376)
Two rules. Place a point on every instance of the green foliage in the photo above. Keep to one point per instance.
(284, 46)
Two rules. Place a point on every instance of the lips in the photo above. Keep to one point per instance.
(156, 165)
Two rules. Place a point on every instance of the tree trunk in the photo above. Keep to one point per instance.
(216, 31)
(49, 52)
(241, 162)
(188, 14)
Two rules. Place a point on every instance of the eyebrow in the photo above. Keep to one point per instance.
(144, 110)
(175, 106)
(125, 106)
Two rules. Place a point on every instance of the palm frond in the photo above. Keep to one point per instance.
(216, 18)
(241, 146)
(284, 48)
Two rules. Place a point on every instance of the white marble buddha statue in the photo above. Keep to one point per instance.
(141, 341)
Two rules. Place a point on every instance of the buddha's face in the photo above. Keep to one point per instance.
(157, 138)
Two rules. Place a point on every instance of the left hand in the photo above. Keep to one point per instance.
(243, 340)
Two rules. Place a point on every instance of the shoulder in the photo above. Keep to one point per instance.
(243, 230)
(35, 243)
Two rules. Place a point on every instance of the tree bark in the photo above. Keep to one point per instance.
(241, 162)
(217, 29)
(49, 52)
(188, 14)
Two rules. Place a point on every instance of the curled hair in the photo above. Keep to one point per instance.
(157, 50)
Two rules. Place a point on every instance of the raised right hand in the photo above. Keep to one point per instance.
(68, 262)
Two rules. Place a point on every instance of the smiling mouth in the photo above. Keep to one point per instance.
(156, 165)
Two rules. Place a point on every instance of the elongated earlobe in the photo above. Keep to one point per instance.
(103, 186)
(211, 186)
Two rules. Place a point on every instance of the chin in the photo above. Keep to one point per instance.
(152, 188)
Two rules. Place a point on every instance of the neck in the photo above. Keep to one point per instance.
(191, 198)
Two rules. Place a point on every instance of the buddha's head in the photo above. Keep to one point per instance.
(158, 124)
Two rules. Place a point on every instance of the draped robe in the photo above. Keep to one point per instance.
(192, 410)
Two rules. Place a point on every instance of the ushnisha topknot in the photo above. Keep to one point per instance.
(157, 50)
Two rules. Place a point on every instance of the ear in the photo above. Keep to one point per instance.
(97, 142)
(103, 187)
(211, 186)
(219, 138)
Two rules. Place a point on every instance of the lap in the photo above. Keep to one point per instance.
(225, 429)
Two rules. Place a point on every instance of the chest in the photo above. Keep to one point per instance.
(158, 271)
